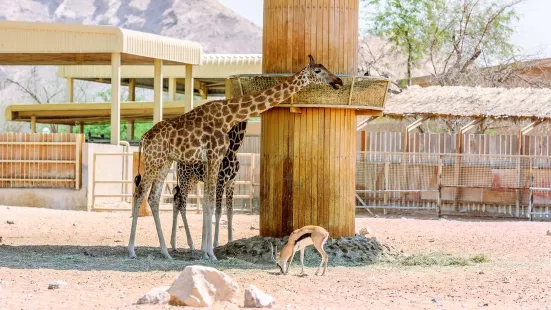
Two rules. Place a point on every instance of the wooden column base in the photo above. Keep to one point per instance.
(308, 171)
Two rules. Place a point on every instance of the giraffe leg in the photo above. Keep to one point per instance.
(229, 209)
(218, 212)
(186, 189)
(154, 200)
(139, 195)
(174, 226)
(212, 169)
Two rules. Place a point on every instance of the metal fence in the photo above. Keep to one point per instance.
(31, 160)
(115, 192)
(471, 184)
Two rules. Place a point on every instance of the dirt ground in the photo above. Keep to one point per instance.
(88, 251)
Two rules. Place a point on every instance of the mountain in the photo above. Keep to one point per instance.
(217, 28)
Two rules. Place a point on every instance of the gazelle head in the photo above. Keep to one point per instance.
(281, 261)
(318, 74)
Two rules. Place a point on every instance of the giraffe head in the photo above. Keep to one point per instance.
(318, 74)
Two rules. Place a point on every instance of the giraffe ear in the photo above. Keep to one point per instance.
(312, 61)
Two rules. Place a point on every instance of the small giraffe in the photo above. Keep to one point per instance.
(189, 175)
(201, 136)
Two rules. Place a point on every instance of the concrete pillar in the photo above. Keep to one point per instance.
(70, 90)
(132, 90)
(171, 89)
(115, 98)
(188, 99)
(158, 91)
(130, 130)
(33, 124)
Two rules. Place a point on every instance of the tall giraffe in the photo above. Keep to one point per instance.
(201, 136)
(189, 175)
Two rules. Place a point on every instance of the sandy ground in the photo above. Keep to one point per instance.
(87, 250)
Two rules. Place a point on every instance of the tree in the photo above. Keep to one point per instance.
(404, 23)
(471, 34)
(456, 37)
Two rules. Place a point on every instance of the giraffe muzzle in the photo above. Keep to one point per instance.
(337, 81)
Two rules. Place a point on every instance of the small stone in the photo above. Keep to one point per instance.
(0, 239)
(118, 240)
(483, 304)
(255, 298)
(56, 284)
(156, 296)
(10, 222)
(549, 232)
(436, 300)
(364, 231)
(481, 272)
(253, 228)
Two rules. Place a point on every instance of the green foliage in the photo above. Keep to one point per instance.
(405, 23)
(453, 35)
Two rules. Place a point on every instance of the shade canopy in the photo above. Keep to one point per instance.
(37, 43)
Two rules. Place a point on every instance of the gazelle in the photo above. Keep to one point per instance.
(298, 240)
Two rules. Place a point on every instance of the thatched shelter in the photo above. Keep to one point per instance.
(479, 102)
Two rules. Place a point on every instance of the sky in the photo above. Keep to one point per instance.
(533, 30)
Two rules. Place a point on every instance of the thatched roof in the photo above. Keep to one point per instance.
(460, 101)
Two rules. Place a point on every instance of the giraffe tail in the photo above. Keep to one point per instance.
(138, 177)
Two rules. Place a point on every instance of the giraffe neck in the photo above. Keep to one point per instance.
(252, 105)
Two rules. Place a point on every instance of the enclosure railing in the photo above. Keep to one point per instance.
(475, 184)
(244, 185)
(32, 160)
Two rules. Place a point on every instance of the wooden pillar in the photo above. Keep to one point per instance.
(145, 210)
(130, 130)
(33, 124)
(158, 91)
(171, 89)
(308, 159)
(81, 128)
(115, 98)
(188, 96)
(70, 90)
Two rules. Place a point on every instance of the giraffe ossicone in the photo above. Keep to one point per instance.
(200, 136)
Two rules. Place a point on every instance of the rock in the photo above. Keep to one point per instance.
(56, 284)
(549, 232)
(255, 298)
(200, 286)
(364, 231)
(436, 300)
(10, 222)
(156, 296)
(253, 228)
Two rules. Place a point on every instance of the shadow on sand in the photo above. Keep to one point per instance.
(115, 258)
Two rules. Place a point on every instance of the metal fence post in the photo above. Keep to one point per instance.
(439, 180)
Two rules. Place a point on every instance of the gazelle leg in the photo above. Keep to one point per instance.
(291, 261)
(324, 256)
(302, 260)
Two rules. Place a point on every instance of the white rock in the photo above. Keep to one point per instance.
(200, 286)
(56, 284)
(255, 298)
(156, 296)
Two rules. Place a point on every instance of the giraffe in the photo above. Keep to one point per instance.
(200, 136)
(189, 175)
